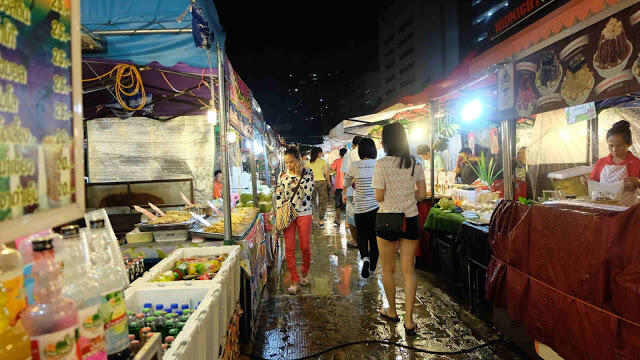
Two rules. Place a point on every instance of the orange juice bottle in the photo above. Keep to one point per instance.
(14, 342)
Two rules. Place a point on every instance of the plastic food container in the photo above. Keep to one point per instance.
(568, 180)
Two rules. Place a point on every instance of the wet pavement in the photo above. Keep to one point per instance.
(340, 306)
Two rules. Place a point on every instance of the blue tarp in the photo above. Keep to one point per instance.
(166, 49)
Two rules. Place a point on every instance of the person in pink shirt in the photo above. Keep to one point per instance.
(336, 166)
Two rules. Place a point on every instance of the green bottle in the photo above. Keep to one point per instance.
(134, 329)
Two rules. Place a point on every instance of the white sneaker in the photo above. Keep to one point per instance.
(305, 280)
(293, 289)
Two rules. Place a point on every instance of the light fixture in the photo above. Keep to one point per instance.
(212, 116)
(257, 147)
(231, 137)
(471, 111)
(417, 134)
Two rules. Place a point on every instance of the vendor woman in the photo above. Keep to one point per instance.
(621, 164)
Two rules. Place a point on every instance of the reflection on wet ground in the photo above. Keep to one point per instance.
(340, 306)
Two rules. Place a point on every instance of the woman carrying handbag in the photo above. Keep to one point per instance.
(398, 182)
(294, 211)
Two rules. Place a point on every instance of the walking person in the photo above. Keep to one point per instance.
(295, 185)
(398, 182)
(351, 156)
(364, 204)
(322, 182)
(336, 166)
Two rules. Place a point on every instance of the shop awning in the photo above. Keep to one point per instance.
(362, 125)
(558, 22)
(140, 31)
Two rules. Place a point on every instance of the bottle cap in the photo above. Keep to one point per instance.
(185, 306)
(181, 325)
(132, 337)
(178, 313)
(169, 339)
(167, 310)
(70, 231)
(139, 316)
(42, 244)
(135, 342)
(173, 332)
(147, 305)
(97, 224)
(167, 316)
(151, 318)
(174, 305)
(146, 329)
(159, 307)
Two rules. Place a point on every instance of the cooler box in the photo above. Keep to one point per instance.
(202, 338)
(568, 180)
(228, 277)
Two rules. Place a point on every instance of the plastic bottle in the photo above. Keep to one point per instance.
(112, 284)
(150, 322)
(52, 321)
(14, 342)
(85, 292)
(134, 329)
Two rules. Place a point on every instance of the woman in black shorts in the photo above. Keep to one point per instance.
(398, 182)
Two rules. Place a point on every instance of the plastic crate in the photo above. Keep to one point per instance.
(228, 277)
(202, 337)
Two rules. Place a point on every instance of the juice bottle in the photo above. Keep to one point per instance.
(14, 342)
(52, 321)
(85, 291)
(112, 283)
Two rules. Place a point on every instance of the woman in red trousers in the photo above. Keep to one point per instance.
(295, 184)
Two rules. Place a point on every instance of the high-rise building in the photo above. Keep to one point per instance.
(418, 44)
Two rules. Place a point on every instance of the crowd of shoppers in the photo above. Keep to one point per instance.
(381, 211)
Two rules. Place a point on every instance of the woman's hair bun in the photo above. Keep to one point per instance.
(622, 124)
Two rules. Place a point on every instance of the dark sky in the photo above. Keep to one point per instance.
(268, 40)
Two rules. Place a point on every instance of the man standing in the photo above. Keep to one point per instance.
(438, 162)
(352, 156)
(337, 168)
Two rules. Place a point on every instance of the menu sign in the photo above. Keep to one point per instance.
(240, 101)
(596, 63)
(37, 152)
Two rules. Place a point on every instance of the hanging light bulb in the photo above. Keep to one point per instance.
(212, 116)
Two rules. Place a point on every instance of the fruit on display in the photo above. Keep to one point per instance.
(265, 196)
(194, 268)
(246, 197)
(265, 206)
(241, 218)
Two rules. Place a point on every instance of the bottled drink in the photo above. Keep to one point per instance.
(112, 284)
(134, 329)
(14, 342)
(150, 322)
(52, 321)
(85, 292)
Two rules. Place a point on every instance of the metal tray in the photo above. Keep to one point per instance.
(198, 230)
(145, 227)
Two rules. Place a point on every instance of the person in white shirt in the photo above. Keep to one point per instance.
(352, 156)
(365, 204)
(398, 181)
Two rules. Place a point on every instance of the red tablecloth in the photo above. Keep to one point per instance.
(571, 276)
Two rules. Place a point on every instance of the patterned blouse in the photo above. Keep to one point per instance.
(398, 185)
(287, 183)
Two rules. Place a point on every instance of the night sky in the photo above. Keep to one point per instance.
(268, 40)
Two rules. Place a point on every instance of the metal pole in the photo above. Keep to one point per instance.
(224, 146)
(141, 32)
(254, 172)
(507, 140)
(433, 152)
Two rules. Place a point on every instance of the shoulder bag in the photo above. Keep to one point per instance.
(287, 213)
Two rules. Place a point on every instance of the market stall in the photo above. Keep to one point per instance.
(561, 84)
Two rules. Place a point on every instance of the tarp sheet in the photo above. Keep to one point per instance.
(569, 275)
(166, 49)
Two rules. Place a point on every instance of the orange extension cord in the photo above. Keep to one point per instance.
(133, 74)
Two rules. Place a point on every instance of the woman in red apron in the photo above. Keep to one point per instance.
(621, 164)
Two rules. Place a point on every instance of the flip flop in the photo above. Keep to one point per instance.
(411, 332)
(385, 316)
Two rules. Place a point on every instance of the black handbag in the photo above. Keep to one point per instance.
(390, 222)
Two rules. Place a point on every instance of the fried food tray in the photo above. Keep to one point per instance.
(185, 225)
(198, 230)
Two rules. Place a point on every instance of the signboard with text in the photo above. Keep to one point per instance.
(517, 15)
(40, 135)
(596, 63)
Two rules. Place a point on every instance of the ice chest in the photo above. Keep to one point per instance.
(202, 338)
(228, 277)
(568, 180)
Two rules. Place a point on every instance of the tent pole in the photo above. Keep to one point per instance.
(507, 163)
(224, 146)
(433, 152)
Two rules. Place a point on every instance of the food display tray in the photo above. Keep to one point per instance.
(145, 227)
(198, 230)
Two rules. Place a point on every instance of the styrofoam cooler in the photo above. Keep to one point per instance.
(228, 277)
(202, 337)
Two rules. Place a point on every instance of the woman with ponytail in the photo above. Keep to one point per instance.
(398, 182)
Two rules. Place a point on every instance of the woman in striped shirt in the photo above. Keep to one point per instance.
(365, 204)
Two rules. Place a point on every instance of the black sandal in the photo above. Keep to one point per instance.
(411, 332)
(386, 316)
